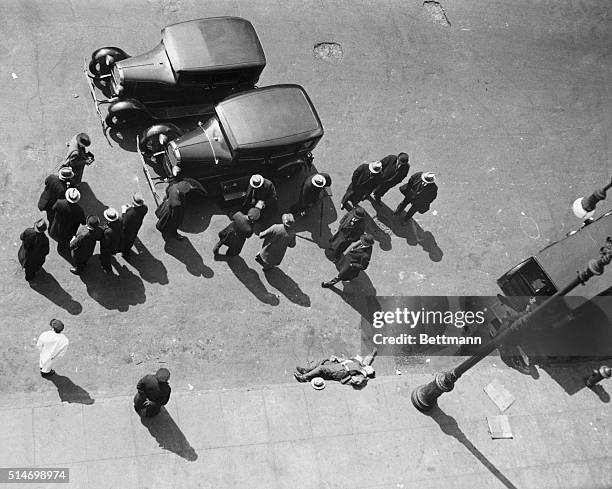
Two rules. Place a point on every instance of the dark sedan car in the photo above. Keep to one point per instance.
(196, 64)
(270, 131)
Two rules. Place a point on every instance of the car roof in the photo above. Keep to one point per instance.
(212, 44)
(562, 259)
(269, 116)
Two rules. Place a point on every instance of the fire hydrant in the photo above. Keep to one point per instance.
(597, 375)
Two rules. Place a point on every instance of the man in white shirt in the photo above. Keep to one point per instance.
(52, 345)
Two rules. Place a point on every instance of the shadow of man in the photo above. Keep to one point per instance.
(90, 203)
(113, 291)
(150, 268)
(186, 253)
(287, 286)
(250, 279)
(168, 435)
(411, 231)
(45, 284)
(449, 427)
(360, 294)
(69, 391)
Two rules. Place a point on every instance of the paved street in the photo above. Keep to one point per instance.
(509, 105)
(289, 435)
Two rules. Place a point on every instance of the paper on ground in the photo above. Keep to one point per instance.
(499, 426)
(499, 395)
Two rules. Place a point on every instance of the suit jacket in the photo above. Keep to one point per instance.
(34, 249)
(267, 193)
(236, 233)
(67, 219)
(357, 259)
(55, 188)
(350, 228)
(363, 182)
(131, 222)
(171, 211)
(83, 244)
(111, 238)
(392, 174)
(276, 240)
(420, 194)
(309, 193)
(154, 390)
(77, 158)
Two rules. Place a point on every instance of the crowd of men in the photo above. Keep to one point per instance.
(76, 234)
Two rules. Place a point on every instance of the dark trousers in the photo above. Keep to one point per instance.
(410, 212)
(30, 272)
(144, 407)
(382, 189)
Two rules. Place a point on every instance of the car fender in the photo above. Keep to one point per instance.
(290, 168)
(116, 53)
(127, 104)
(157, 129)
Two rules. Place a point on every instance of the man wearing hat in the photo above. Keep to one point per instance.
(52, 345)
(350, 229)
(34, 248)
(237, 232)
(394, 170)
(313, 190)
(153, 393)
(277, 238)
(55, 188)
(345, 370)
(78, 157)
(82, 246)
(366, 178)
(68, 215)
(110, 242)
(261, 194)
(171, 212)
(357, 259)
(131, 221)
(420, 191)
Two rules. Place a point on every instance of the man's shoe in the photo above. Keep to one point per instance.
(326, 285)
(75, 270)
(301, 370)
(299, 377)
(48, 374)
(259, 260)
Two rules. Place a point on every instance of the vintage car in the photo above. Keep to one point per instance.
(556, 265)
(271, 131)
(196, 64)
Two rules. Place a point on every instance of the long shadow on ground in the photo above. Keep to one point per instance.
(150, 268)
(287, 286)
(169, 436)
(69, 391)
(250, 279)
(185, 252)
(45, 284)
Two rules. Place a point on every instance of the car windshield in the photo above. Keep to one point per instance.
(217, 140)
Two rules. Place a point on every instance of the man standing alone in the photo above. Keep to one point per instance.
(153, 393)
(132, 218)
(52, 345)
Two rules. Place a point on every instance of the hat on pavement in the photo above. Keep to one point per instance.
(428, 177)
(317, 383)
(367, 239)
(83, 139)
(93, 222)
(57, 325)
(40, 226)
(73, 195)
(163, 374)
(403, 158)
(318, 180)
(254, 214)
(375, 167)
(137, 199)
(359, 212)
(111, 214)
(256, 181)
(288, 220)
(66, 173)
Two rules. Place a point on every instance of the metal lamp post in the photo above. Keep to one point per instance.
(425, 397)
(584, 207)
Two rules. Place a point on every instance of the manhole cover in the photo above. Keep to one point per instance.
(436, 12)
(331, 52)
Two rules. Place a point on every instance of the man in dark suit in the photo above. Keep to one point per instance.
(261, 194)
(357, 259)
(313, 190)
(350, 229)
(82, 246)
(153, 393)
(365, 179)
(110, 241)
(55, 188)
(235, 234)
(394, 170)
(78, 157)
(68, 215)
(171, 212)
(34, 249)
(131, 220)
(420, 191)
